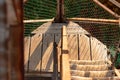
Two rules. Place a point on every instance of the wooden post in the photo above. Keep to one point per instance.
(60, 18)
(16, 31)
(64, 61)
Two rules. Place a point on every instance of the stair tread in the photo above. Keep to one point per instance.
(88, 62)
(92, 73)
(95, 78)
(90, 67)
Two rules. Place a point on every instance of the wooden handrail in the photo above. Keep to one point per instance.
(38, 20)
(64, 60)
(107, 9)
(94, 20)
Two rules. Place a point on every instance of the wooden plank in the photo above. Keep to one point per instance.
(84, 47)
(26, 52)
(35, 53)
(64, 39)
(73, 46)
(99, 50)
(47, 54)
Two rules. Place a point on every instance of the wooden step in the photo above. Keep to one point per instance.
(90, 67)
(92, 73)
(88, 62)
(95, 78)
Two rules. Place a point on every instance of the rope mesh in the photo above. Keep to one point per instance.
(38, 9)
(85, 8)
(46, 9)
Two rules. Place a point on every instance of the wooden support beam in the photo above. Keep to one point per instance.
(16, 36)
(64, 62)
(107, 9)
(38, 20)
(64, 39)
(94, 20)
(60, 18)
(115, 3)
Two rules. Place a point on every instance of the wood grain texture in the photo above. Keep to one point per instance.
(84, 47)
(99, 50)
(64, 61)
(47, 54)
(35, 52)
(73, 46)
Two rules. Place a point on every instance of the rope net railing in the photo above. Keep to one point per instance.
(38, 9)
(86, 9)
(107, 33)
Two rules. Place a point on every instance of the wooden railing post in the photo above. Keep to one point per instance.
(64, 62)
(60, 18)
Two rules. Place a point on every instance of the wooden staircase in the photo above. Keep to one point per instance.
(85, 69)
(91, 70)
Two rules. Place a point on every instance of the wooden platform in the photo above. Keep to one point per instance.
(39, 48)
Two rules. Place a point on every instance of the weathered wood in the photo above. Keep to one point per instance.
(92, 73)
(60, 18)
(94, 20)
(99, 50)
(64, 62)
(73, 46)
(64, 40)
(47, 54)
(84, 47)
(39, 20)
(107, 9)
(87, 62)
(95, 78)
(65, 68)
(35, 55)
(90, 67)
(13, 28)
(26, 51)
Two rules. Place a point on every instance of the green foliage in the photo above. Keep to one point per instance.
(117, 63)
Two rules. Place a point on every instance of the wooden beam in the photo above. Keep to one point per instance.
(60, 18)
(16, 44)
(64, 39)
(94, 20)
(64, 62)
(65, 67)
(115, 3)
(38, 20)
(107, 9)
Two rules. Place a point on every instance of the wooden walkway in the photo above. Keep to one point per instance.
(39, 48)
